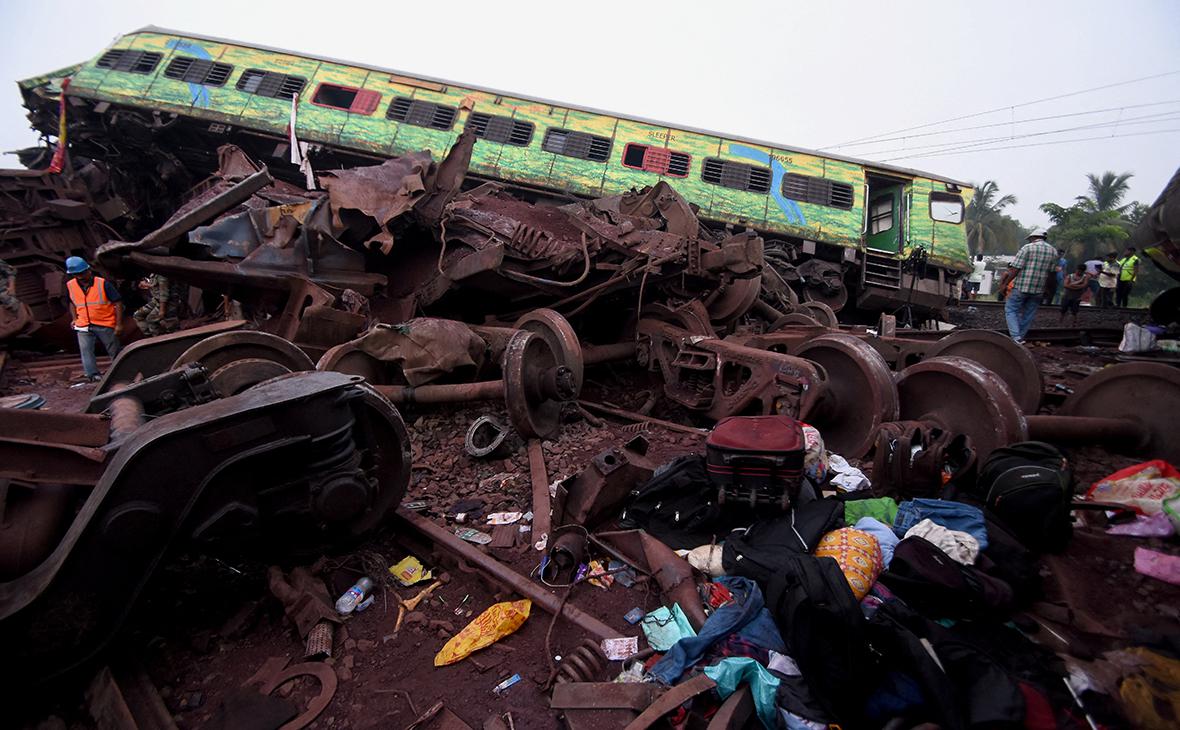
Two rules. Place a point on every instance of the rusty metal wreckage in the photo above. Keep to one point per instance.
(287, 420)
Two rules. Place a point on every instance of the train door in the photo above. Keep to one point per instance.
(884, 215)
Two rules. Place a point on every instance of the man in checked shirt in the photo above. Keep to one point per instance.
(1035, 262)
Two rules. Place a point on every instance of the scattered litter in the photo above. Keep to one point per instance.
(503, 518)
(410, 571)
(500, 688)
(498, 621)
(622, 572)
(1160, 566)
(347, 603)
(632, 674)
(415, 506)
(363, 605)
(634, 616)
(1143, 487)
(1157, 525)
(620, 648)
(472, 535)
(598, 575)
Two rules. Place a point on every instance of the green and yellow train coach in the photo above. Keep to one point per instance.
(865, 217)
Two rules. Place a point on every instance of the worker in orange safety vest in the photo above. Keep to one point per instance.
(97, 312)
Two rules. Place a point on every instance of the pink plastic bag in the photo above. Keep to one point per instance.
(1160, 566)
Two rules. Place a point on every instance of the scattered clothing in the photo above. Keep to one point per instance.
(847, 477)
(884, 534)
(951, 515)
(883, 509)
(746, 615)
(961, 547)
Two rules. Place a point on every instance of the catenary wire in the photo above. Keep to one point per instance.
(1005, 108)
(1033, 144)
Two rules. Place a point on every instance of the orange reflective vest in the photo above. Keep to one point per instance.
(91, 307)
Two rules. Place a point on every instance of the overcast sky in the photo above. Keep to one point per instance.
(808, 76)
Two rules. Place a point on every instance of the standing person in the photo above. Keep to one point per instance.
(1108, 278)
(1073, 287)
(1029, 273)
(1093, 267)
(97, 312)
(1128, 275)
(1062, 265)
(160, 315)
(8, 298)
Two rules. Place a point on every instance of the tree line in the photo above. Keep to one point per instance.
(1095, 224)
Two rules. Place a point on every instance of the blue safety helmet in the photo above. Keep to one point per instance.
(76, 265)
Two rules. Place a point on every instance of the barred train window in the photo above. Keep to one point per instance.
(198, 71)
(136, 62)
(421, 113)
(817, 190)
(500, 129)
(736, 175)
(270, 84)
(576, 144)
(946, 207)
(656, 159)
(348, 98)
(881, 214)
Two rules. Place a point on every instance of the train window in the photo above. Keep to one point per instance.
(576, 144)
(198, 71)
(881, 214)
(136, 62)
(946, 207)
(656, 159)
(499, 129)
(817, 190)
(421, 113)
(270, 84)
(350, 99)
(736, 175)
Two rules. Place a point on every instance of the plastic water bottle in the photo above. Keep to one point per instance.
(347, 603)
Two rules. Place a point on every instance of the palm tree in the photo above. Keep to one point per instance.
(1106, 192)
(983, 214)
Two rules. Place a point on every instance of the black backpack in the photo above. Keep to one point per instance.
(824, 630)
(1028, 488)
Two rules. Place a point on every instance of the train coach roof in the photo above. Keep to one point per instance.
(511, 94)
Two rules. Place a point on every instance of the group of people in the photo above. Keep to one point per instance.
(96, 310)
(1039, 270)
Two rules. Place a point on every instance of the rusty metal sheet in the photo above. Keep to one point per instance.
(426, 349)
(603, 695)
(382, 192)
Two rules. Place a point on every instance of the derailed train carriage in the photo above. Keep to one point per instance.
(155, 106)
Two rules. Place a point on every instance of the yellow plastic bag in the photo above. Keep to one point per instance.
(484, 630)
(410, 571)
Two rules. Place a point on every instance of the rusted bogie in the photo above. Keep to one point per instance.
(533, 387)
(302, 461)
(721, 378)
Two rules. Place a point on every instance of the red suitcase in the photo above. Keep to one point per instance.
(756, 459)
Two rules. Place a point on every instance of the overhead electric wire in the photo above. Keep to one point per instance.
(1004, 108)
(1146, 119)
(1016, 121)
(946, 153)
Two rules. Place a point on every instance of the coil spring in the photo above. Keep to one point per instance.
(584, 664)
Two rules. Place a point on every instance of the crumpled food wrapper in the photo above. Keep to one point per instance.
(495, 623)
